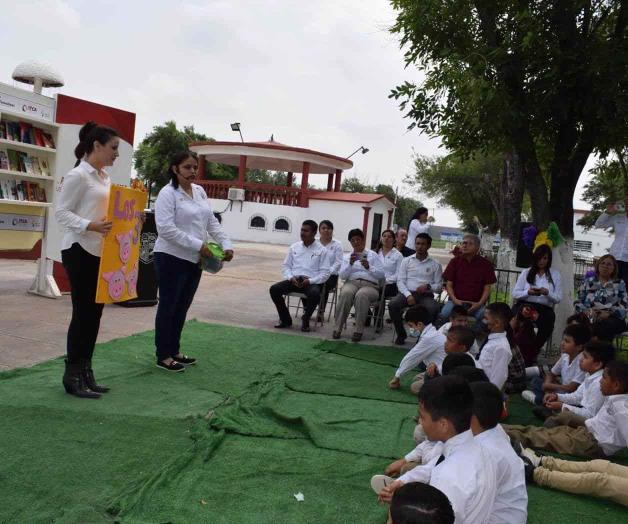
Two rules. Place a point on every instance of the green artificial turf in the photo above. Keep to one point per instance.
(263, 416)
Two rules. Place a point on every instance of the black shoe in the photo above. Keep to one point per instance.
(400, 341)
(356, 337)
(174, 366)
(528, 468)
(367, 322)
(74, 381)
(305, 325)
(90, 380)
(542, 412)
(185, 360)
(335, 335)
(283, 325)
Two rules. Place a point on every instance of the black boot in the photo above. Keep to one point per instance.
(74, 382)
(90, 381)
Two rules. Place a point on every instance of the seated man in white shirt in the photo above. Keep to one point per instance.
(305, 269)
(419, 277)
(511, 499)
(464, 471)
(362, 270)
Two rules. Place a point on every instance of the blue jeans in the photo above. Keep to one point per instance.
(177, 280)
(446, 311)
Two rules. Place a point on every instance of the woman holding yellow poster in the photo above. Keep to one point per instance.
(184, 220)
(82, 210)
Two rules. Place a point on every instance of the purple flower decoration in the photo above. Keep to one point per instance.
(590, 273)
(528, 235)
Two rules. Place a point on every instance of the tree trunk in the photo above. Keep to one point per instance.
(537, 190)
(562, 261)
(509, 211)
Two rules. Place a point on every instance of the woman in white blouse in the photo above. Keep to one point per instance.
(81, 209)
(334, 256)
(391, 259)
(538, 289)
(184, 218)
(418, 224)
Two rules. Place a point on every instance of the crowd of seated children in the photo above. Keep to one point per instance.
(598, 478)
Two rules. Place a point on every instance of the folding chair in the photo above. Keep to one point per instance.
(301, 297)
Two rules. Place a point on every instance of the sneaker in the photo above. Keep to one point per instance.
(534, 459)
(185, 360)
(379, 482)
(528, 396)
(528, 469)
(174, 366)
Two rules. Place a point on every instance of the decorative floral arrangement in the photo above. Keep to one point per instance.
(533, 238)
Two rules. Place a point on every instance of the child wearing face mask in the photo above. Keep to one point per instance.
(429, 349)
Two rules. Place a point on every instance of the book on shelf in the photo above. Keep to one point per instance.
(4, 160)
(25, 133)
(48, 140)
(14, 160)
(44, 166)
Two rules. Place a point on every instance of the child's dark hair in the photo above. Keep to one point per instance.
(580, 333)
(617, 371)
(579, 318)
(458, 311)
(469, 373)
(327, 223)
(418, 314)
(600, 331)
(176, 160)
(450, 398)
(91, 132)
(601, 351)
(488, 404)
(454, 360)
(418, 503)
(312, 225)
(355, 233)
(463, 335)
(502, 311)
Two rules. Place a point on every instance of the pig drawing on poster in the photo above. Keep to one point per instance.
(118, 275)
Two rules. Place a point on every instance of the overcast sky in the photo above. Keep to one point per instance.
(314, 74)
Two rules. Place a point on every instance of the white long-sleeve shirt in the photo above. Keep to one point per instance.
(185, 222)
(587, 399)
(334, 255)
(391, 262)
(569, 371)
(357, 271)
(466, 476)
(619, 222)
(425, 451)
(495, 357)
(610, 425)
(430, 348)
(473, 350)
(414, 229)
(309, 261)
(414, 272)
(511, 499)
(84, 198)
(523, 286)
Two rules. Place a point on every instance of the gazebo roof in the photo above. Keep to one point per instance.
(272, 156)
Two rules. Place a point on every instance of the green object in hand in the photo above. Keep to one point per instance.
(213, 264)
(215, 250)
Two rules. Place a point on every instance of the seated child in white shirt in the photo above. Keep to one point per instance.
(464, 471)
(460, 317)
(585, 402)
(597, 478)
(429, 349)
(511, 500)
(566, 375)
(495, 354)
(599, 436)
(419, 502)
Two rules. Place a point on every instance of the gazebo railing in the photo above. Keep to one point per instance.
(253, 192)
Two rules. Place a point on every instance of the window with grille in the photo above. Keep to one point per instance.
(582, 245)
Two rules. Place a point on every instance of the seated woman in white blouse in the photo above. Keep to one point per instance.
(538, 288)
(184, 219)
(391, 259)
(334, 257)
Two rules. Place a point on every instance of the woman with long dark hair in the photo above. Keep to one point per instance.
(391, 260)
(81, 209)
(418, 224)
(537, 290)
(184, 219)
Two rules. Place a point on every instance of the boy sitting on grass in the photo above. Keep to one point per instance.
(429, 349)
(598, 478)
(418, 503)
(459, 317)
(495, 353)
(585, 402)
(566, 375)
(464, 471)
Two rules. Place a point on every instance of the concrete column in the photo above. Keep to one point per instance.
(304, 199)
(338, 179)
(365, 222)
(242, 171)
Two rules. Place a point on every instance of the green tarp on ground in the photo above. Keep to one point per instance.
(261, 417)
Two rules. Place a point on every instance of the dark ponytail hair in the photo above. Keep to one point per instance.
(91, 132)
(176, 160)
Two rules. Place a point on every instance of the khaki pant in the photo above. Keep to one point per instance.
(408, 466)
(598, 478)
(562, 439)
(360, 294)
(565, 418)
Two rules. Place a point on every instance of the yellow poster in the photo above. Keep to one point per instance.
(117, 277)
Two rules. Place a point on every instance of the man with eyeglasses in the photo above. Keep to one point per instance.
(469, 279)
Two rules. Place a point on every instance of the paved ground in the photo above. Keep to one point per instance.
(33, 329)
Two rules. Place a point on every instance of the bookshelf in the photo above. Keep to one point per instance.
(27, 203)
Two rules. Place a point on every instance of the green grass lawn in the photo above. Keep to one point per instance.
(261, 417)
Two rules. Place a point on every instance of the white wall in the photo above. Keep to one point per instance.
(601, 240)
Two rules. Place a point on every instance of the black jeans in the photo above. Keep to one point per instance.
(177, 280)
(623, 271)
(400, 302)
(82, 269)
(278, 290)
